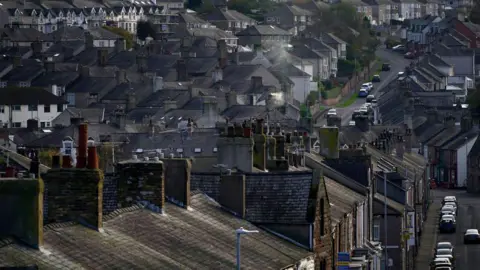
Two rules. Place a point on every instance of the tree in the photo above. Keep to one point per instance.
(123, 33)
(145, 29)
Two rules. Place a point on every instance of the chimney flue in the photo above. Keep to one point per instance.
(92, 158)
(55, 161)
(66, 162)
(82, 145)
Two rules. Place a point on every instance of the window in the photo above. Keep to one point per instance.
(16, 124)
(48, 124)
(16, 108)
(101, 43)
(376, 232)
(32, 108)
(2, 109)
(46, 108)
(59, 107)
(322, 217)
(42, 124)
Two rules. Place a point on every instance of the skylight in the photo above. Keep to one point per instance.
(198, 150)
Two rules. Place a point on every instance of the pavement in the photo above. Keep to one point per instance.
(467, 257)
(397, 63)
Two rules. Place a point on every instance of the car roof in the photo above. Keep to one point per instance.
(443, 250)
(450, 197)
(441, 259)
(472, 231)
(444, 243)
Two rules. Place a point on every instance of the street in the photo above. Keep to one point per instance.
(467, 257)
(397, 62)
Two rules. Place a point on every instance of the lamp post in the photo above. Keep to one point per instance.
(385, 211)
(466, 163)
(239, 232)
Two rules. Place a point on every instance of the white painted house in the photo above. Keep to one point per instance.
(18, 105)
(462, 154)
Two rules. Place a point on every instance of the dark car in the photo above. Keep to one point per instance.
(410, 55)
(447, 225)
(376, 78)
(386, 67)
(471, 237)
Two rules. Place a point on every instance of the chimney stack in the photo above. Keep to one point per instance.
(121, 76)
(182, 73)
(92, 158)
(235, 147)
(177, 180)
(142, 63)
(223, 54)
(82, 145)
(88, 39)
(120, 45)
(408, 137)
(231, 98)
(66, 161)
(257, 82)
(25, 223)
(102, 57)
(259, 153)
(55, 162)
(232, 194)
(210, 108)
(449, 121)
(466, 123)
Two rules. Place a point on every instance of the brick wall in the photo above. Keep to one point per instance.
(74, 195)
(323, 243)
(21, 210)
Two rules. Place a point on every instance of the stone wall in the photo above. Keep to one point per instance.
(21, 210)
(74, 195)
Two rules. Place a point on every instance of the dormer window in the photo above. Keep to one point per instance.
(197, 150)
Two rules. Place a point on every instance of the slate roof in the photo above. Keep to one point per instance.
(475, 150)
(92, 85)
(263, 30)
(157, 98)
(23, 35)
(200, 143)
(28, 96)
(289, 70)
(55, 78)
(27, 71)
(55, 138)
(202, 238)
(238, 113)
(218, 14)
(342, 199)
(461, 140)
(445, 136)
(90, 115)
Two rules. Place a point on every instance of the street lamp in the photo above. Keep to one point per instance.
(239, 232)
(466, 163)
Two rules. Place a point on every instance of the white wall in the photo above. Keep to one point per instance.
(462, 154)
(24, 114)
(305, 68)
(360, 233)
(104, 43)
(301, 88)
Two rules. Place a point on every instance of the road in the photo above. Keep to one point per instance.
(397, 62)
(467, 257)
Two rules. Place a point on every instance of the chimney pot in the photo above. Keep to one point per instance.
(146, 159)
(134, 157)
(162, 155)
(156, 159)
(172, 155)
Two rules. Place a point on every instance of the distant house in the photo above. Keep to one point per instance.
(229, 19)
(18, 105)
(301, 80)
(289, 16)
(470, 30)
(264, 36)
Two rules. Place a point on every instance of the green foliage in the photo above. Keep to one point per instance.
(389, 43)
(324, 94)
(123, 33)
(145, 29)
(346, 67)
(253, 9)
(328, 84)
(305, 111)
(349, 101)
(313, 97)
(45, 156)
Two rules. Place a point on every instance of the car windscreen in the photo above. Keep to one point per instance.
(444, 252)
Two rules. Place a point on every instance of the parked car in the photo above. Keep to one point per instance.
(471, 237)
(376, 78)
(440, 262)
(444, 245)
(443, 268)
(410, 55)
(332, 112)
(451, 205)
(447, 224)
(363, 109)
(386, 67)
(398, 48)
(368, 85)
(449, 199)
(363, 93)
(370, 98)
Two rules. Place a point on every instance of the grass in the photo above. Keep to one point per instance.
(334, 92)
(348, 102)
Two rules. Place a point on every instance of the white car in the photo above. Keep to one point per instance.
(363, 109)
(444, 262)
(370, 98)
(368, 86)
(444, 245)
(452, 205)
(449, 199)
(332, 112)
(471, 236)
(351, 123)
